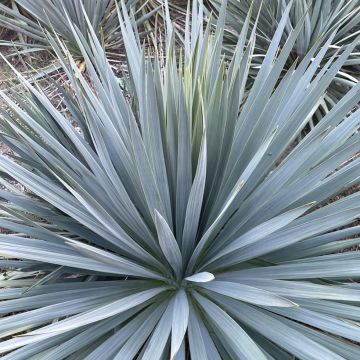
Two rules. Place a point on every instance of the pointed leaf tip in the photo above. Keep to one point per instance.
(201, 277)
(168, 243)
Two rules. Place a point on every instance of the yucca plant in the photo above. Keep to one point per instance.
(28, 18)
(176, 219)
(320, 19)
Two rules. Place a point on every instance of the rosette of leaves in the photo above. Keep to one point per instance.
(29, 19)
(181, 221)
(320, 18)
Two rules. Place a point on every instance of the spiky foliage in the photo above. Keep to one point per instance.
(320, 19)
(169, 222)
(30, 17)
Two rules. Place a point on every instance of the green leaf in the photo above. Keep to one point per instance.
(168, 244)
(74, 322)
(233, 335)
(179, 321)
(272, 327)
(248, 294)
